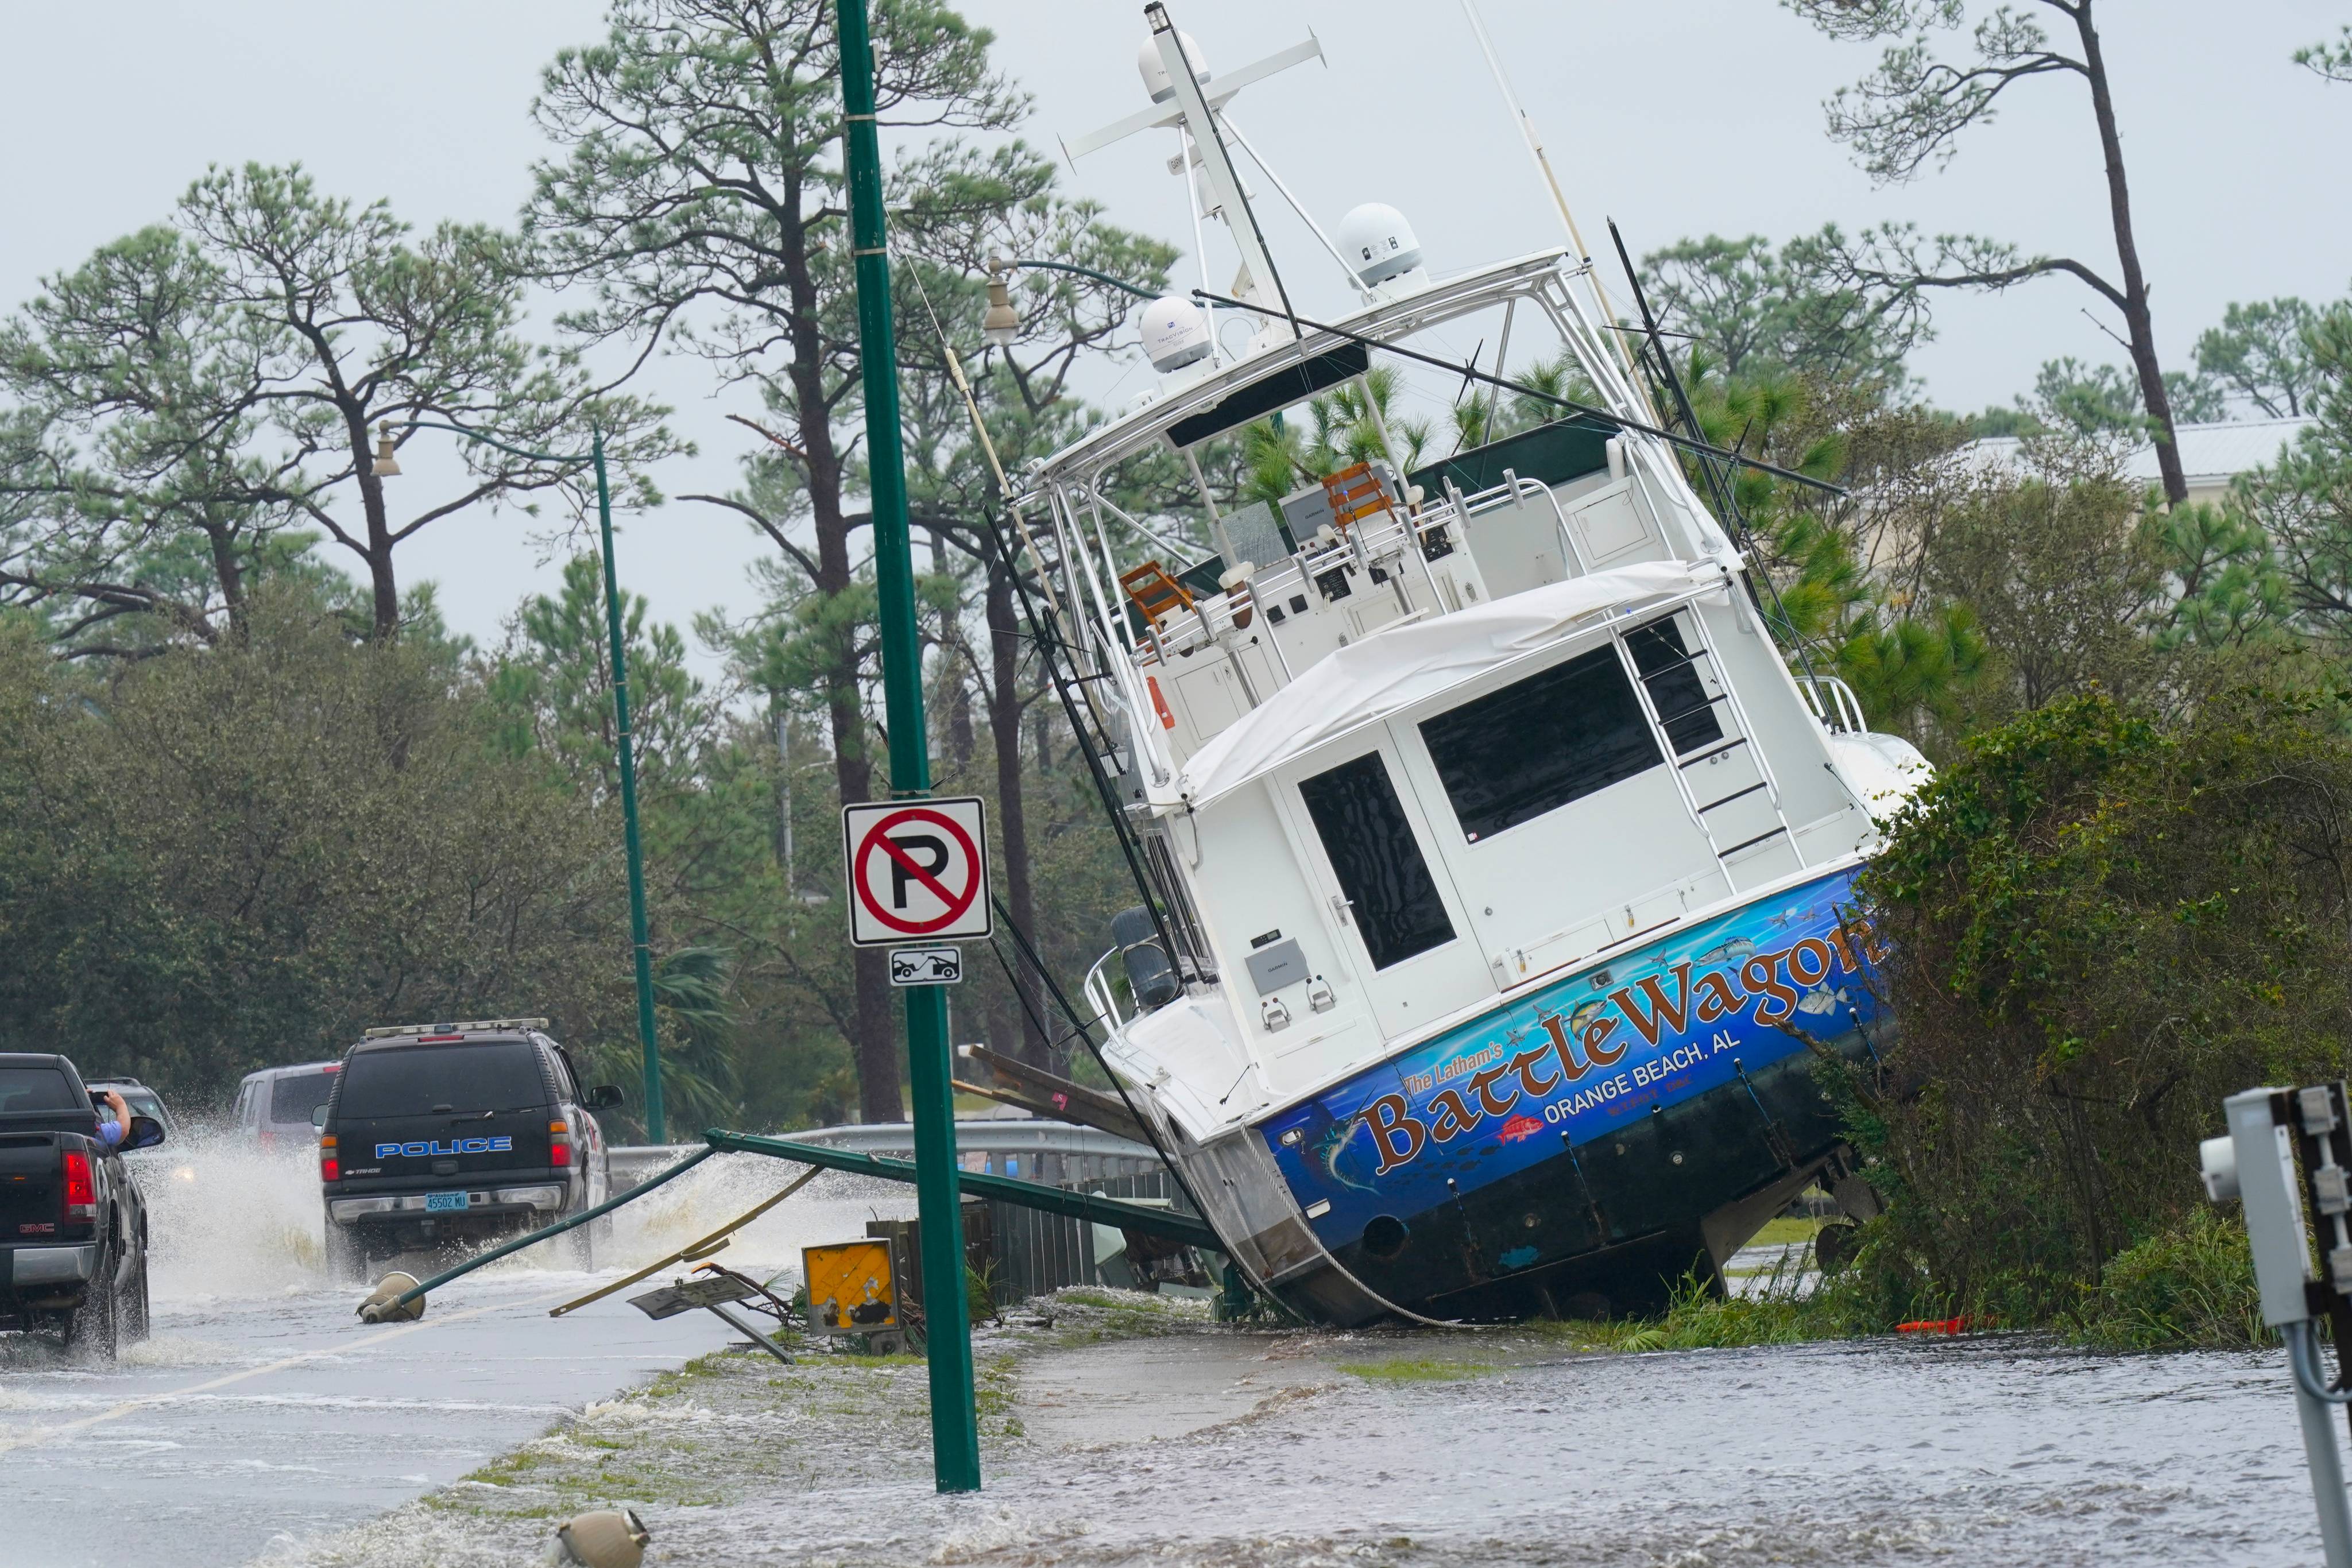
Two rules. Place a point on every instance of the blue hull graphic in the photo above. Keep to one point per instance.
(1716, 1005)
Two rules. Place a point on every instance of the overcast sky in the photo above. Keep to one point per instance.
(1675, 117)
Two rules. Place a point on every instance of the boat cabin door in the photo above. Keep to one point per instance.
(1366, 846)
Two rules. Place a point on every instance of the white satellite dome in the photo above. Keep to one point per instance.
(1378, 243)
(1175, 333)
(1155, 75)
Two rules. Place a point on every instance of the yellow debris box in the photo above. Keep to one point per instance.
(852, 1287)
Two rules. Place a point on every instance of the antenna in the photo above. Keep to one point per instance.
(1190, 104)
(1551, 183)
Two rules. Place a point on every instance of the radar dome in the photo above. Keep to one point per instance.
(1175, 333)
(1378, 243)
(1155, 74)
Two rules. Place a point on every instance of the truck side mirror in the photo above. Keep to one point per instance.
(318, 1115)
(603, 1097)
(145, 1133)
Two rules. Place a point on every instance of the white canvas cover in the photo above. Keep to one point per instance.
(1395, 668)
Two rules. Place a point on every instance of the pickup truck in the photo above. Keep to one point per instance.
(73, 1223)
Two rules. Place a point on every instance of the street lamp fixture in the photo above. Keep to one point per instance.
(594, 458)
(387, 466)
(1001, 327)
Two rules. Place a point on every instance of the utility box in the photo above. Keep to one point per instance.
(853, 1287)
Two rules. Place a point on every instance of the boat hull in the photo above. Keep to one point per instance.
(1580, 1149)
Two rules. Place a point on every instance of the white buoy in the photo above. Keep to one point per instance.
(1175, 333)
(1378, 243)
(1155, 74)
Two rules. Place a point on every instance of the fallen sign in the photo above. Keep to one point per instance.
(917, 869)
(852, 1289)
(714, 1295)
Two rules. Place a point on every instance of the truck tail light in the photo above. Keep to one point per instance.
(330, 1165)
(81, 1196)
(559, 1144)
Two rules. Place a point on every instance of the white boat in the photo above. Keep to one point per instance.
(1498, 867)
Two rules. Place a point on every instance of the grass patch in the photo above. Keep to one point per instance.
(1786, 1231)
(1786, 1309)
(1104, 1303)
(1086, 1316)
(1408, 1371)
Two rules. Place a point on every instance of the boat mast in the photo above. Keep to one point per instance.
(1217, 166)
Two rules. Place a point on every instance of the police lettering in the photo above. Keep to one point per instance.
(454, 1146)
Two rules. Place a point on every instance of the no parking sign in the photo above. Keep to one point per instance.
(917, 870)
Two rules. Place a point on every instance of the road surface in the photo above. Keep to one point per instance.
(262, 1410)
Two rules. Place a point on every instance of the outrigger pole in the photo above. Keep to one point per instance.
(1705, 449)
(1551, 183)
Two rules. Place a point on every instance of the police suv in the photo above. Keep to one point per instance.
(448, 1134)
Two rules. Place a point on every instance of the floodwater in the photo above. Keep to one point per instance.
(1268, 1451)
(262, 1411)
(263, 1416)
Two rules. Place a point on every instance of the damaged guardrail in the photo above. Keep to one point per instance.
(1118, 1213)
(387, 1302)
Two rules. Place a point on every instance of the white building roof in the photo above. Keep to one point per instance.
(2210, 454)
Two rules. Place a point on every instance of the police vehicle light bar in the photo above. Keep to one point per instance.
(475, 1026)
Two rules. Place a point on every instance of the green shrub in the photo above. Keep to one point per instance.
(2190, 1284)
(2098, 925)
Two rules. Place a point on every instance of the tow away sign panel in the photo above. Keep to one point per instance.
(926, 966)
(917, 870)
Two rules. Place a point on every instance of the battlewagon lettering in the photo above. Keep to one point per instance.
(1659, 1008)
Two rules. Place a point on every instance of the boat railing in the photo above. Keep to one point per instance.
(1391, 533)
(1101, 995)
(1833, 703)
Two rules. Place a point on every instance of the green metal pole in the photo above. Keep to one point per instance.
(645, 961)
(955, 1427)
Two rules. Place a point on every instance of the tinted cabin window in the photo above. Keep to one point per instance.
(1536, 745)
(410, 1079)
(1676, 690)
(37, 1088)
(1372, 848)
(292, 1099)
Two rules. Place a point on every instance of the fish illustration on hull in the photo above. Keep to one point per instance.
(1586, 1025)
(1325, 1148)
(1518, 1129)
(1738, 950)
(1821, 1000)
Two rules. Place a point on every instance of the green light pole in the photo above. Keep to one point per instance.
(955, 1429)
(644, 951)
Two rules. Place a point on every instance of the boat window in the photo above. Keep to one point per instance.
(1676, 690)
(1370, 846)
(1532, 747)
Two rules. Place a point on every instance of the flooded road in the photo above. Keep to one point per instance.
(243, 1421)
(1884, 1452)
(1301, 1450)
(262, 1412)
(263, 1423)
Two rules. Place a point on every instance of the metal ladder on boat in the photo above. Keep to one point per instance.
(1681, 762)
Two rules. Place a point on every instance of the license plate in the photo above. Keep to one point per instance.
(441, 1202)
